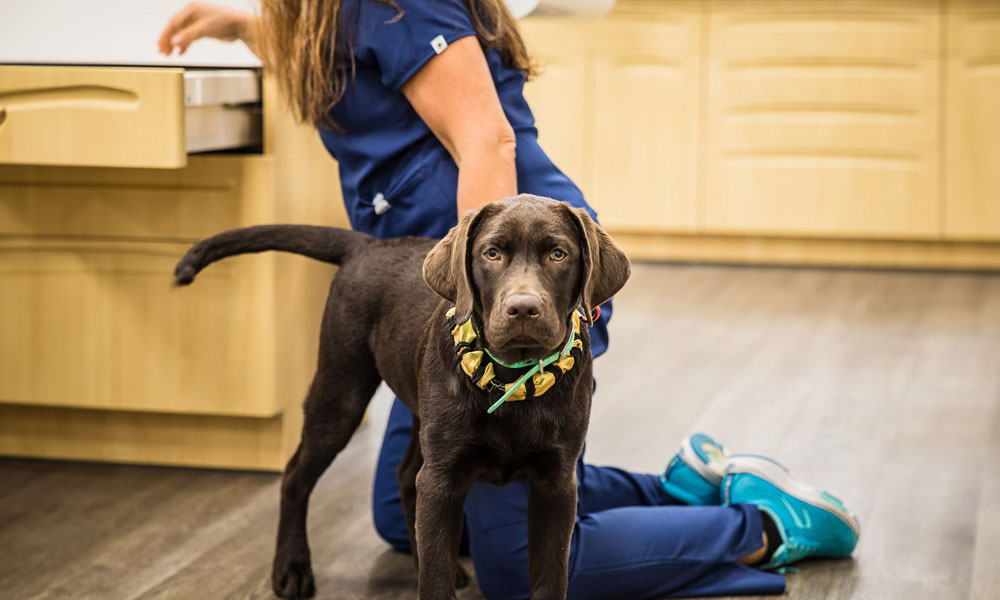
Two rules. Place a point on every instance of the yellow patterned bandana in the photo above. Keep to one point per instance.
(478, 364)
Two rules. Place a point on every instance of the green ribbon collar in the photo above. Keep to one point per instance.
(478, 364)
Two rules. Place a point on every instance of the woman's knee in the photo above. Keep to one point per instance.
(390, 524)
(387, 510)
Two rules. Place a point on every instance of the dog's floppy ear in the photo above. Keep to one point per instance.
(446, 268)
(606, 267)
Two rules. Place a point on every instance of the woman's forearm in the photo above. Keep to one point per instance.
(485, 175)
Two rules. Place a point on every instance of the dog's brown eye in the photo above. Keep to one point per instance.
(558, 255)
(492, 254)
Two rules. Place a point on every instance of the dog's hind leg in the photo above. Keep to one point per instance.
(340, 392)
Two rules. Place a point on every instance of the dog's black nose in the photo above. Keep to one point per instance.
(522, 306)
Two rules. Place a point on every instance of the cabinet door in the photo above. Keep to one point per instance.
(972, 122)
(823, 118)
(643, 157)
(557, 94)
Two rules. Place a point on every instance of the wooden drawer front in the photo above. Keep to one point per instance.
(823, 118)
(212, 194)
(972, 84)
(644, 153)
(98, 325)
(92, 116)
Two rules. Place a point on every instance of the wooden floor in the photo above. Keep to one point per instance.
(882, 387)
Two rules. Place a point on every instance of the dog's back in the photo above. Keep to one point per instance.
(379, 295)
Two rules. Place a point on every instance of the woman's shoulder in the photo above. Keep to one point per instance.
(404, 27)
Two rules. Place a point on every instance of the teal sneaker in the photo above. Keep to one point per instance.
(694, 474)
(812, 523)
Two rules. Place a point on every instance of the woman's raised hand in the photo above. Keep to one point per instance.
(198, 20)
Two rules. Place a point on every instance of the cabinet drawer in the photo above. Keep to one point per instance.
(823, 119)
(96, 324)
(124, 116)
(213, 193)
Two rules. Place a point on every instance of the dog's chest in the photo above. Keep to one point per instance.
(501, 453)
(501, 466)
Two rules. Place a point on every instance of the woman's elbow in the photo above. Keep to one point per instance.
(507, 142)
(498, 142)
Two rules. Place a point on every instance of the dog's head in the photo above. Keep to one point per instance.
(519, 267)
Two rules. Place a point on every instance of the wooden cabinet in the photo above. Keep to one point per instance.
(90, 318)
(842, 132)
(972, 120)
(823, 119)
(102, 358)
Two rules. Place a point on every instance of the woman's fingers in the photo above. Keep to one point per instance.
(199, 28)
(198, 20)
(177, 22)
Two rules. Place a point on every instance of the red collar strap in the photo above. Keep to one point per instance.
(594, 316)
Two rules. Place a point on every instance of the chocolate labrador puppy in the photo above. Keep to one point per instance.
(516, 271)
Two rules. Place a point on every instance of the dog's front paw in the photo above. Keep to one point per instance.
(461, 577)
(292, 578)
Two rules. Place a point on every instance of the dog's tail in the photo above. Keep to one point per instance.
(328, 244)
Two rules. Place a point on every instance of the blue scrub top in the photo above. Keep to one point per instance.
(385, 148)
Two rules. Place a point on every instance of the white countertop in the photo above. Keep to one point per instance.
(106, 32)
(124, 32)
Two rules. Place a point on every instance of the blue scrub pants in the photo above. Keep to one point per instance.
(631, 539)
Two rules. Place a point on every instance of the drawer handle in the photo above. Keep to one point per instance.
(3, 116)
(80, 96)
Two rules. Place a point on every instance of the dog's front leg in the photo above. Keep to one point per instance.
(440, 498)
(551, 517)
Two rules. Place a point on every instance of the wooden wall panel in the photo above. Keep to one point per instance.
(306, 189)
(823, 119)
(972, 120)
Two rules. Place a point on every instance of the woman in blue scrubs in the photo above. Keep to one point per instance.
(428, 120)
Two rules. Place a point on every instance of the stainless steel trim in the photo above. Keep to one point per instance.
(222, 109)
(227, 86)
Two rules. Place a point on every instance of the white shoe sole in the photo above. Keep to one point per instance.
(692, 460)
(779, 476)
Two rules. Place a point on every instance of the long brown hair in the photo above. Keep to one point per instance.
(304, 43)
